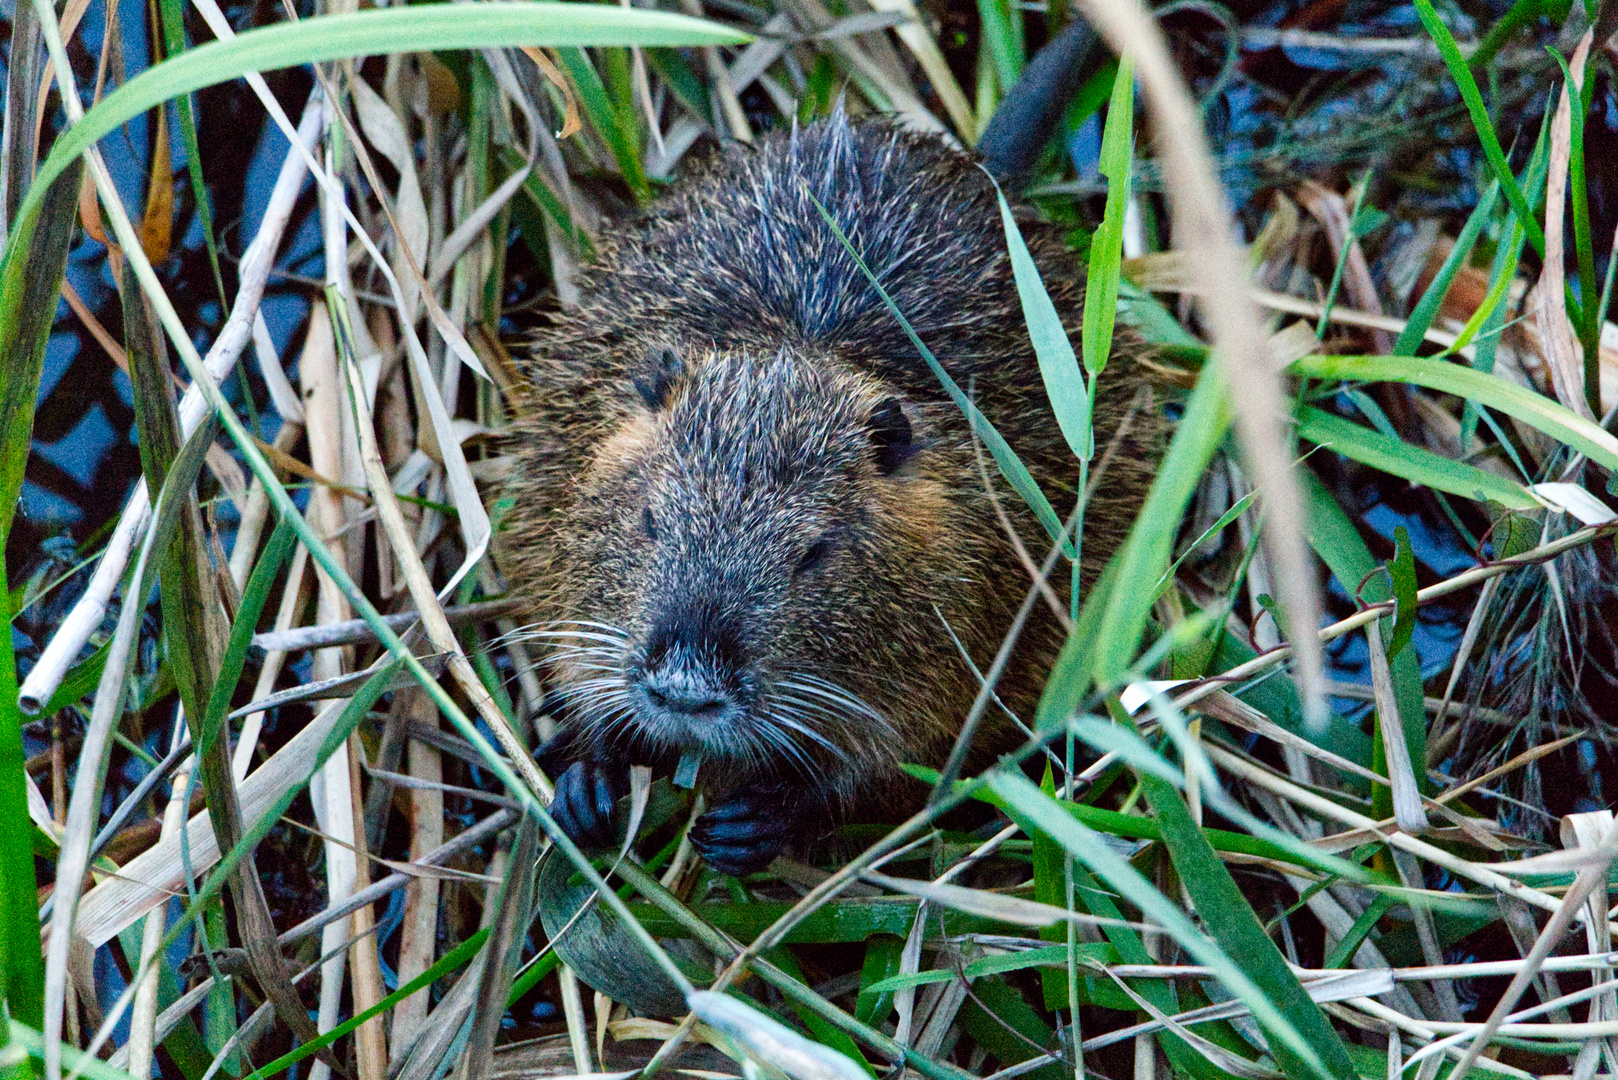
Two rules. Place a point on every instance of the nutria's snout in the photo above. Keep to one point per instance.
(689, 677)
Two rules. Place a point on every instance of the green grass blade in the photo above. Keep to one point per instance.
(87, 1065)
(1003, 38)
(1230, 919)
(1147, 551)
(1116, 871)
(30, 285)
(1578, 192)
(22, 962)
(882, 955)
(254, 596)
(1535, 410)
(616, 130)
(453, 960)
(1522, 13)
(1058, 367)
(1326, 305)
(1070, 677)
(1502, 274)
(172, 16)
(1011, 467)
(1402, 572)
(1480, 120)
(416, 28)
(1107, 247)
(1410, 462)
(1426, 308)
(29, 288)
(1344, 950)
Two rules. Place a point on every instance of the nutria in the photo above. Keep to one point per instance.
(751, 522)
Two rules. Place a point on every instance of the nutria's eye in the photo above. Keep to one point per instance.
(660, 368)
(647, 524)
(815, 555)
(890, 434)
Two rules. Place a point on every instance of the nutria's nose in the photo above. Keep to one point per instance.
(670, 691)
(688, 668)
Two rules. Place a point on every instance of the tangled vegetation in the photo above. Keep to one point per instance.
(1314, 788)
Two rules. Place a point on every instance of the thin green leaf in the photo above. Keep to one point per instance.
(1145, 554)
(1502, 274)
(1230, 919)
(882, 955)
(1410, 462)
(1480, 119)
(1107, 246)
(1071, 675)
(254, 596)
(1535, 410)
(1578, 192)
(1088, 848)
(1402, 571)
(1345, 949)
(1213, 530)
(1426, 309)
(608, 120)
(1011, 466)
(1002, 33)
(29, 288)
(1058, 367)
(414, 28)
(1324, 321)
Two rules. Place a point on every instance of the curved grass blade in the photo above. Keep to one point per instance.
(1107, 247)
(1579, 195)
(1535, 410)
(28, 294)
(416, 28)
(1147, 551)
(1058, 366)
(1426, 308)
(1480, 120)
(1230, 919)
(1011, 467)
(1412, 463)
(1087, 847)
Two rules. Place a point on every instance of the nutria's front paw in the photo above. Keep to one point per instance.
(746, 831)
(585, 797)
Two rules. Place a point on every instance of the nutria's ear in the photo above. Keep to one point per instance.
(891, 437)
(658, 372)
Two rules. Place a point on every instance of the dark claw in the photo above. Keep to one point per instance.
(585, 799)
(748, 830)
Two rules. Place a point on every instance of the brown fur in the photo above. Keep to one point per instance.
(761, 443)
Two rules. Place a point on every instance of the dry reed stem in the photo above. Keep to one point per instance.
(1203, 227)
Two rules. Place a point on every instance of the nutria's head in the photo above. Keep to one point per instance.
(748, 570)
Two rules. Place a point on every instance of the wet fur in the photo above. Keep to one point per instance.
(760, 442)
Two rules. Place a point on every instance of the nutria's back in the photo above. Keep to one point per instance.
(752, 523)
